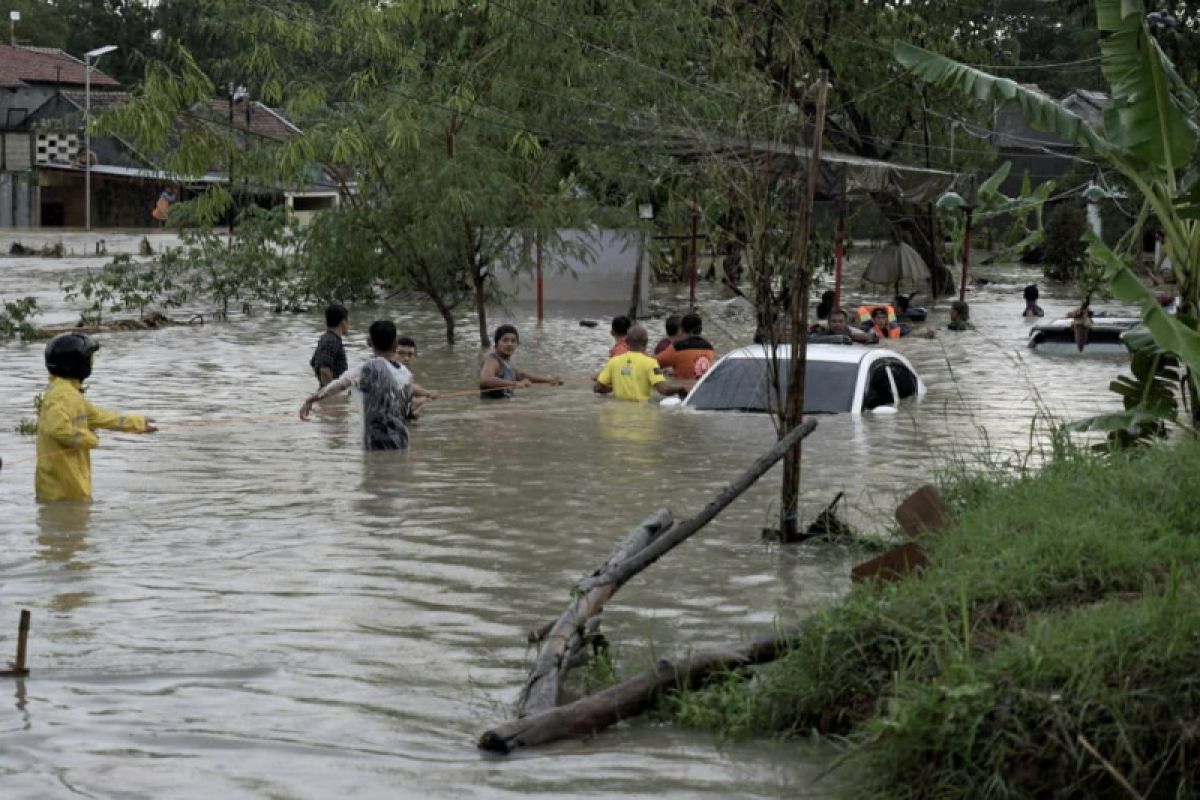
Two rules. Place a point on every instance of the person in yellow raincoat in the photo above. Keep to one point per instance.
(66, 421)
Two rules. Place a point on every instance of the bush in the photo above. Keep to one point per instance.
(15, 316)
(1064, 247)
(1062, 614)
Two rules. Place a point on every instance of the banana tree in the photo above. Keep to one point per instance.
(1150, 134)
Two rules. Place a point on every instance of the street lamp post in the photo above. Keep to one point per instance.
(88, 58)
(952, 201)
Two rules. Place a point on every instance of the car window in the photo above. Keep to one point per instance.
(744, 384)
(906, 381)
(879, 388)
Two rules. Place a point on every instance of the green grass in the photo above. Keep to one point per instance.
(1063, 610)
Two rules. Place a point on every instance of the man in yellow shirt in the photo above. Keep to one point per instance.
(633, 375)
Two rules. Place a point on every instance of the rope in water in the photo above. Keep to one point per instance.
(264, 418)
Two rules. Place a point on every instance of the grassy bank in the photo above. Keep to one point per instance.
(1051, 649)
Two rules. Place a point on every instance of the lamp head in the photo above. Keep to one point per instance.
(951, 201)
(99, 51)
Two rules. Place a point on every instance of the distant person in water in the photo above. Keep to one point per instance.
(386, 389)
(839, 325)
(329, 358)
(960, 317)
(633, 375)
(881, 326)
(693, 355)
(673, 334)
(620, 328)
(1032, 309)
(406, 353)
(498, 377)
(825, 307)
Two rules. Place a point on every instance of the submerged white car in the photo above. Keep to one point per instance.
(839, 379)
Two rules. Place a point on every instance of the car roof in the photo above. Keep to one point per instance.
(835, 353)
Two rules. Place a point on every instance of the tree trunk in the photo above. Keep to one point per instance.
(596, 712)
(793, 412)
(480, 306)
(447, 317)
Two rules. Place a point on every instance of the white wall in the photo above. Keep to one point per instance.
(604, 277)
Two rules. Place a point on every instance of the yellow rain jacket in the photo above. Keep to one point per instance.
(65, 440)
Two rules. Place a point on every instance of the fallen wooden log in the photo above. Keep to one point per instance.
(542, 688)
(621, 573)
(152, 321)
(564, 637)
(596, 712)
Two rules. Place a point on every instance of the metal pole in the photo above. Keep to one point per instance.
(87, 143)
(537, 251)
(839, 253)
(962, 286)
(692, 264)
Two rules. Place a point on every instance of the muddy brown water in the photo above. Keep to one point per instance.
(261, 610)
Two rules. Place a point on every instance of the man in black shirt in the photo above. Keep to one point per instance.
(329, 359)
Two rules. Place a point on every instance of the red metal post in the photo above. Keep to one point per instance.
(962, 286)
(537, 250)
(692, 264)
(839, 253)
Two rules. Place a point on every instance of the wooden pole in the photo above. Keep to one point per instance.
(22, 641)
(596, 712)
(789, 528)
(18, 667)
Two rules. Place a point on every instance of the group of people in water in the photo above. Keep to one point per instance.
(391, 398)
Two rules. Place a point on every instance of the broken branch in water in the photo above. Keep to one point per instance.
(596, 712)
(641, 548)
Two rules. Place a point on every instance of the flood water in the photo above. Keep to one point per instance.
(258, 609)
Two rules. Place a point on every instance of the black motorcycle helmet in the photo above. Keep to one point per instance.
(69, 355)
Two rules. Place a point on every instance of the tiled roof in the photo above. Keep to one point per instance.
(258, 119)
(101, 101)
(20, 66)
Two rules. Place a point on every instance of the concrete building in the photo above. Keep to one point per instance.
(43, 167)
(1045, 156)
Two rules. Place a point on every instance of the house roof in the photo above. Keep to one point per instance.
(101, 101)
(22, 66)
(253, 117)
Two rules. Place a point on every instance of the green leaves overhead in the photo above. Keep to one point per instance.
(1176, 334)
(1043, 112)
(1149, 114)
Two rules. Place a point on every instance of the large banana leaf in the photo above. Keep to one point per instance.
(1149, 116)
(1042, 112)
(1175, 334)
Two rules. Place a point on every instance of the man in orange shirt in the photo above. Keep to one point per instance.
(693, 355)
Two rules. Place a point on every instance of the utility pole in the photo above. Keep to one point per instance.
(789, 505)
